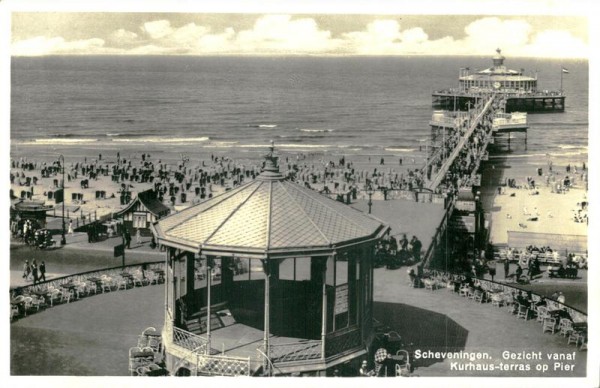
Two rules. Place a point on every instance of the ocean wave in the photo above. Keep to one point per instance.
(278, 146)
(400, 149)
(161, 139)
(222, 144)
(263, 126)
(570, 147)
(307, 146)
(59, 141)
(316, 130)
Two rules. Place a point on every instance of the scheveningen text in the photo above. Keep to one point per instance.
(472, 356)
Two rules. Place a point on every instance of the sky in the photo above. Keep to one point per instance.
(207, 33)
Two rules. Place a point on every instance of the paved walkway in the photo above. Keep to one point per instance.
(78, 255)
(92, 336)
(88, 337)
(487, 329)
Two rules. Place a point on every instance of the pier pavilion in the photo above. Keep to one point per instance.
(520, 90)
(268, 278)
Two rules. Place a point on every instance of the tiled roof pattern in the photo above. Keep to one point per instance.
(269, 214)
(331, 223)
(178, 218)
(246, 227)
(203, 225)
(290, 225)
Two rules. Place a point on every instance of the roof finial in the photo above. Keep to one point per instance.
(271, 169)
(498, 59)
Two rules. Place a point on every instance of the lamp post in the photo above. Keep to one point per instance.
(370, 194)
(61, 160)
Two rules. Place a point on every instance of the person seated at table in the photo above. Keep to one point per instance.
(562, 313)
(364, 370)
(387, 368)
(522, 299)
(529, 298)
(541, 302)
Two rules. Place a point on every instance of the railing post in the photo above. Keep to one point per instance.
(324, 309)
(209, 265)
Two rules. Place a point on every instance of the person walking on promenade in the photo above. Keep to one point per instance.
(34, 271)
(42, 270)
(416, 248)
(138, 237)
(70, 231)
(506, 268)
(127, 238)
(26, 270)
(519, 272)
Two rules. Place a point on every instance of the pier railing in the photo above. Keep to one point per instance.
(477, 93)
(439, 232)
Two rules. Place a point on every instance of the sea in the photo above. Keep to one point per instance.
(358, 107)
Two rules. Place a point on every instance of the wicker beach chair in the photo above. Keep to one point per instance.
(542, 313)
(478, 296)
(522, 311)
(549, 324)
(565, 326)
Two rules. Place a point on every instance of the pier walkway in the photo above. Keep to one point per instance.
(482, 120)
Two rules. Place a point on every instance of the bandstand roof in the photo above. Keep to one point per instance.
(268, 215)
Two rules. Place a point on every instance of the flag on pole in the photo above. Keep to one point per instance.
(566, 71)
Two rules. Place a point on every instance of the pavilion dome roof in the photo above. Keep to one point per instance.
(268, 215)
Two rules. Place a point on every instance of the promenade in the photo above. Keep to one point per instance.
(91, 336)
(77, 256)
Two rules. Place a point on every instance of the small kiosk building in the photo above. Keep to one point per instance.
(142, 211)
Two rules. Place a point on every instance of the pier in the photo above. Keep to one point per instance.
(469, 135)
(459, 144)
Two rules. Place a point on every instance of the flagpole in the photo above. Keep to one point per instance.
(561, 77)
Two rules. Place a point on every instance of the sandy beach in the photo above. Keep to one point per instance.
(543, 210)
(172, 161)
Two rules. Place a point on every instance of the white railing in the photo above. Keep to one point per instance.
(189, 341)
(213, 365)
(295, 351)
